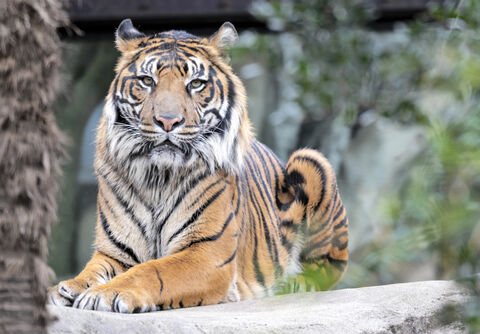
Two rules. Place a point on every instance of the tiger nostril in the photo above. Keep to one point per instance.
(167, 122)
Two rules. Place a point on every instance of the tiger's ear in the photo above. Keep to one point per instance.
(225, 37)
(126, 36)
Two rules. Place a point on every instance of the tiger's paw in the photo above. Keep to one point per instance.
(65, 292)
(55, 298)
(111, 299)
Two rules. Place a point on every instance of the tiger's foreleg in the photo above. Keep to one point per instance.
(99, 270)
(192, 277)
(318, 216)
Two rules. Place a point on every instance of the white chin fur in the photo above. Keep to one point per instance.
(168, 158)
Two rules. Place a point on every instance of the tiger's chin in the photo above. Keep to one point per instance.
(168, 157)
(172, 156)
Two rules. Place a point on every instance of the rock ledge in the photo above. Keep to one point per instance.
(397, 308)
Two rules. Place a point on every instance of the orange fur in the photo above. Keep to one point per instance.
(217, 217)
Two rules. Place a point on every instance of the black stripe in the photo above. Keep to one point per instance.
(294, 178)
(124, 82)
(266, 188)
(117, 174)
(197, 49)
(268, 192)
(108, 232)
(337, 243)
(107, 274)
(330, 208)
(213, 111)
(313, 246)
(287, 244)
(125, 206)
(211, 74)
(290, 224)
(339, 213)
(341, 224)
(230, 259)
(131, 86)
(115, 304)
(335, 262)
(159, 279)
(180, 198)
(328, 222)
(261, 218)
(119, 117)
(323, 225)
(338, 264)
(258, 272)
(123, 264)
(145, 65)
(112, 270)
(323, 175)
(210, 186)
(268, 154)
(269, 239)
(212, 237)
(239, 194)
(301, 196)
(264, 162)
(197, 213)
(225, 122)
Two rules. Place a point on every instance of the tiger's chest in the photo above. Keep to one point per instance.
(162, 210)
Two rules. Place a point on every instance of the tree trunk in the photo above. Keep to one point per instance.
(30, 149)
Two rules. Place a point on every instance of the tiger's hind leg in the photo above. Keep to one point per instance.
(316, 218)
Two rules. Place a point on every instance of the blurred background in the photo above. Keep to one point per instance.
(388, 90)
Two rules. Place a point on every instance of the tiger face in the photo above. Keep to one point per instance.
(175, 101)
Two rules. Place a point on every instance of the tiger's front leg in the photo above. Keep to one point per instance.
(199, 275)
(99, 270)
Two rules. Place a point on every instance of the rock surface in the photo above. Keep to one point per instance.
(397, 308)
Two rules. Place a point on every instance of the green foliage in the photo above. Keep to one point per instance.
(428, 74)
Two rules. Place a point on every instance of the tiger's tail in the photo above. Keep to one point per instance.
(314, 224)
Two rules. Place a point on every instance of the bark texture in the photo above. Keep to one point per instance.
(30, 150)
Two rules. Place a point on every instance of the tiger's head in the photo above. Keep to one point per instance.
(175, 102)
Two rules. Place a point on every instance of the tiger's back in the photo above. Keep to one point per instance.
(192, 210)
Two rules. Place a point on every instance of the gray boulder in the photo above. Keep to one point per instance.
(397, 308)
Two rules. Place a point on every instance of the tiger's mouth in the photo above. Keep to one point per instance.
(167, 144)
(169, 147)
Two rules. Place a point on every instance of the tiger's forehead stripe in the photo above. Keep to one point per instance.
(173, 44)
(178, 46)
(170, 53)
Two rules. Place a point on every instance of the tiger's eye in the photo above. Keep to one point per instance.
(147, 80)
(196, 83)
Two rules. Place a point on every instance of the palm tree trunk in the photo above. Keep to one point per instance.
(30, 149)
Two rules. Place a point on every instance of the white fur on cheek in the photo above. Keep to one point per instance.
(220, 150)
(110, 113)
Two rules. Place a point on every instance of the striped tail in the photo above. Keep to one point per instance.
(314, 224)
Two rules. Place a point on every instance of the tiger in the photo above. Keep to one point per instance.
(191, 209)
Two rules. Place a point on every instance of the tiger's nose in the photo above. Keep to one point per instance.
(167, 122)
